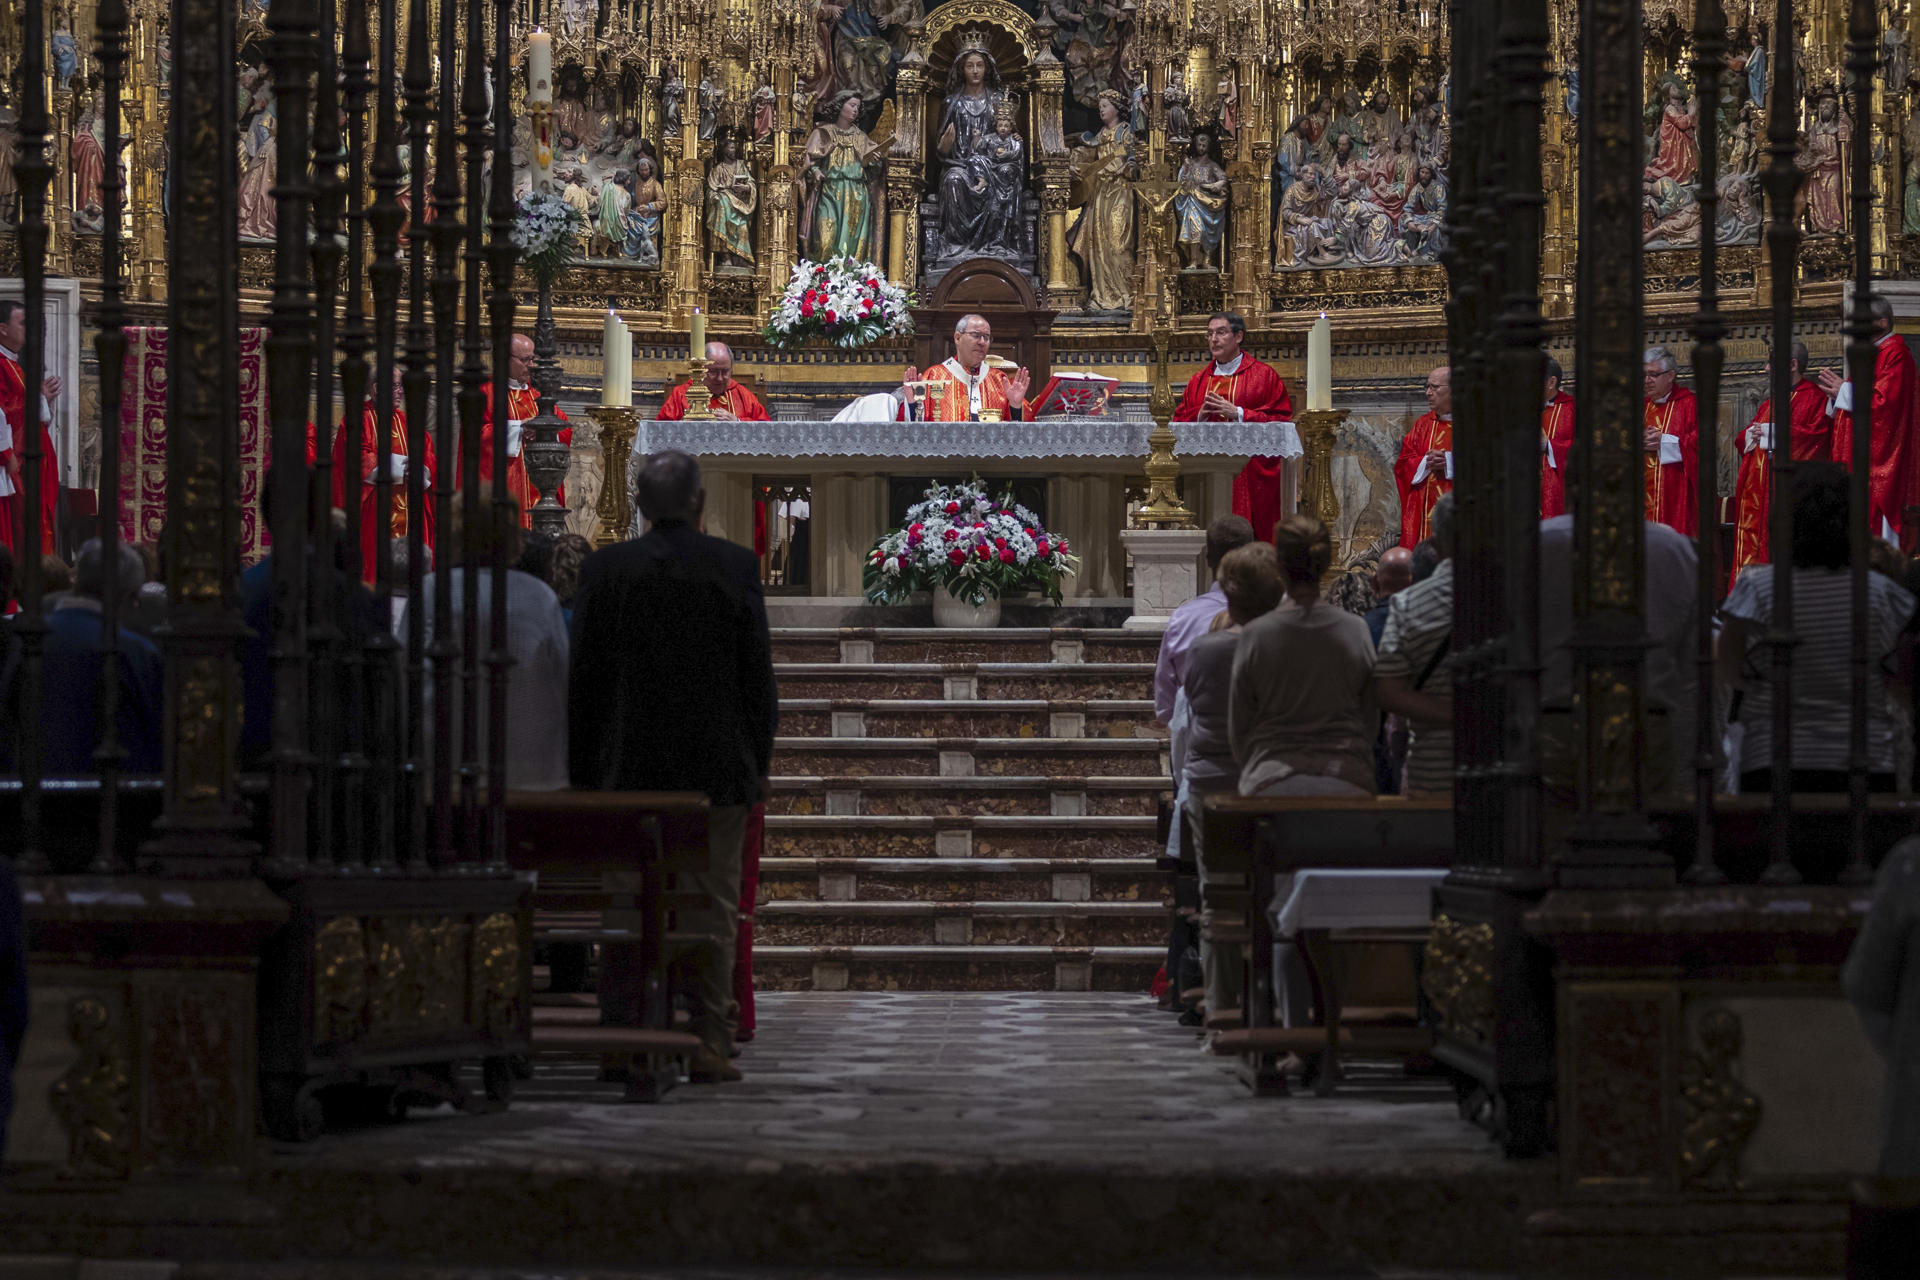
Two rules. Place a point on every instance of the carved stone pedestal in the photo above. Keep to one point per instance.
(1166, 572)
(140, 1054)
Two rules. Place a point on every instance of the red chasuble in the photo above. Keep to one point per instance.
(13, 402)
(1893, 457)
(1753, 491)
(1556, 433)
(736, 399)
(1671, 499)
(1417, 501)
(370, 464)
(953, 404)
(522, 403)
(1261, 395)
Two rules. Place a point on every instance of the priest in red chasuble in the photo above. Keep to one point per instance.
(1672, 442)
(13, 403)
(1424, 469)
(729, 398)
(1556, 445)
(1893, 457)
(373, 466)
(523, 402)
(1753, 492)
(970, 389)
(1236, 386)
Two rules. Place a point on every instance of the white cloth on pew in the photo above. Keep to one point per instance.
(1399, 898)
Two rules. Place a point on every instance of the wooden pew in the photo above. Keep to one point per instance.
(1260, 839)
(572, 840)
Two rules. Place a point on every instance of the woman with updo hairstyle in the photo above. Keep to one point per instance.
(1250, 578)
(1301, 713)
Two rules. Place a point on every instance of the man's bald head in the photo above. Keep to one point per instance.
(520, 359)
(1394, 572)
(719, 367)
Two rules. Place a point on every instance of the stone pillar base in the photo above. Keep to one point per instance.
(1166, 573)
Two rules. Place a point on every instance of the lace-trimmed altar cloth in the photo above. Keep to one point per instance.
(1110, 437)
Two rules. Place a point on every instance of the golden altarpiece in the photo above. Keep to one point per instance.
(1276, 158)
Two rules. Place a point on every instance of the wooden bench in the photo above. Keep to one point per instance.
(1257, 840)
(573, 841)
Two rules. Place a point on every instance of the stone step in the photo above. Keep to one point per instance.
(955, 968)
(981, 836)
(931, 644)
(973, 757)
(961, 880)
(969, 718)
(965, 680)
(916, 924)
(844, 796)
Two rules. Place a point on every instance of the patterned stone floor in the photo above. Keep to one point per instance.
(1094, 1081)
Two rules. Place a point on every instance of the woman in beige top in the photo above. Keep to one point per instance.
(1302, 717)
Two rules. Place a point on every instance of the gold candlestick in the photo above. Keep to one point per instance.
(1163, 508)
(617, 424)
(1317, 429)
(699, 398)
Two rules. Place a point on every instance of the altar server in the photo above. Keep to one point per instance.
(13, 402)
(969, 389)
(1424, 471)
(395, 464)
(1893, 457)
(523, 403)
(1812, 438)
(1235, 386)
(1672, 441)
(730, 399)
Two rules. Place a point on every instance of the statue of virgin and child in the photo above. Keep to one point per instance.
(981, 159)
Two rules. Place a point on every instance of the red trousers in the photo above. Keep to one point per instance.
(743, 939)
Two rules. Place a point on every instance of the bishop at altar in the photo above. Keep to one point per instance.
(729, 398)
(964, 387)
(523, 403)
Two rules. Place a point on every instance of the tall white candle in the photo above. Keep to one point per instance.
(609, 358)
(698, 337)
(1320, 364)
(539, 66)
(623, 372)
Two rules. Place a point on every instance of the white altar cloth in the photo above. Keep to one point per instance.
(1113, 437)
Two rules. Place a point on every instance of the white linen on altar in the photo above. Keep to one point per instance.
(880, 406)
(845, 437)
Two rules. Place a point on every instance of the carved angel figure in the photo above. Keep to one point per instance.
(843, 174)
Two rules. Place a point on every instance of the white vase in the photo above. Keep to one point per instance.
(949, 611)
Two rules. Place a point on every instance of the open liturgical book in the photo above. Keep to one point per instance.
(1082, 395)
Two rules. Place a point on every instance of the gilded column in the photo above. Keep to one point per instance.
(1056, 182)
(201, 827)
(906, 164)
(687, 270)
(60, 211)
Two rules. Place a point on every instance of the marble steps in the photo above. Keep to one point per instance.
(892, 923)
(935, 967)
(969, 718)
(972, 880)
(965, 681)
(847, 796)
(971, 836)
(999, 644)
(962, 757)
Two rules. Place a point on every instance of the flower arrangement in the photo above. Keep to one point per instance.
(546, 231)
(961, 540)
(849, 303)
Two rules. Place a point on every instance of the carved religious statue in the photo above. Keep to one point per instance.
(1200, 204)
(1822, 198)
(89, 158)
(860, 42)
(843, 177)
(1105, 167)
(732, 198)
(1088, 37)
(641, 224)
(980, 160)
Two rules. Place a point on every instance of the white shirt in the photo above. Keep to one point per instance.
(514, 425)
(1842, 401)
(1670, 455)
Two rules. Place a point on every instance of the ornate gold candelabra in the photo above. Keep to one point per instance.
(699, 398)
(1163, 508)
(1317, 429)
(618, 424)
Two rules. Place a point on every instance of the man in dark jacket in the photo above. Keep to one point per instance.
(672, 690)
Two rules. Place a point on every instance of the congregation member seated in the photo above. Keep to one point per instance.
(1303, 716)
(537, 643)
(1411, 679)
(75, 645)
(1249, 579)
(1822, 591)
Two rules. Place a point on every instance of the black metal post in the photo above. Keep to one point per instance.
(1863, 38)
(329, 605)
(448, 235)
(418, 84)
(34, 174)
(110, 345)
(1709, 51)
(473, 374)
(357, 658)
(386, 729)
(1783, 247)
(290, 55)
(501, 258)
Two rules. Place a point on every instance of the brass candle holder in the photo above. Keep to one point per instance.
(618, 424)
(699, 398)
(1318, 427)
(1163, 508)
